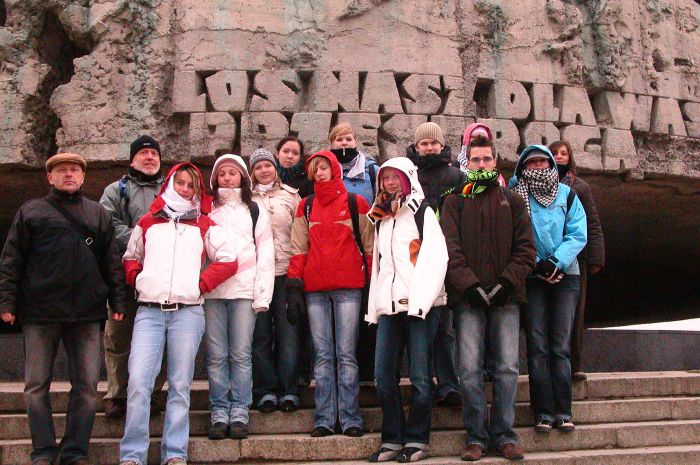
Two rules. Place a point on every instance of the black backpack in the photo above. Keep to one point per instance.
(418, 216)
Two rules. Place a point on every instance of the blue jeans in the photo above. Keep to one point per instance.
(334, 319)
(549, 323)
(81, 342)
(276, 351)
(230, 327)
(394, 333)
(501, 327)
(182, 331)
(444, 354)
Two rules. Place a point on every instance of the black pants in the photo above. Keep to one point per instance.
(82, 344)
(579, 324)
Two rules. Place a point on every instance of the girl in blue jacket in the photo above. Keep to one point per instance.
(559, 230)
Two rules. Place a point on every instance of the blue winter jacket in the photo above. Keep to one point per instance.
(361, 186)
(559, 235)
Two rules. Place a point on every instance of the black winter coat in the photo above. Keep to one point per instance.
(435, 175)
(48, 274)
(594, 252)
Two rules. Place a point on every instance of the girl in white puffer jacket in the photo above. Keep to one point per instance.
(232, 307)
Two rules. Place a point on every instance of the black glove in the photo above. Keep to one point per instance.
(477, 297)
(500, 293)
(546, 269)
(296, 305)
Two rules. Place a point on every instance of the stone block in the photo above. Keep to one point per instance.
(508, 100)
(666, 117)
(506, 137)
(659, 433)
(330, 91)
(540, 132)
(585, 143)
(187, 93)
(211, 134)
(575, 106)
(685, 409)
(398, 133)
(460, 96)
(262, 129)
(381, 94)
(542, 99)
(228, 90)
(366, 126)
(623, 111)
(452, 129)
(422, 94)
(278, 90)
(312, 129)
(692, 112)
(299, 448)
(618, 149)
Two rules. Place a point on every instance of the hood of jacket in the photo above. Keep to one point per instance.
(445, 156)
(328, 190)
(406, 166)
(519, 166)
(205, 202)
(468, 132)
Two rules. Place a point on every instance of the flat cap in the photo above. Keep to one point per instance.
(65, 158)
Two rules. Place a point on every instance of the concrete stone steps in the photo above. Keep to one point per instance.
(598, 386)
(301, 447)
(14, 426)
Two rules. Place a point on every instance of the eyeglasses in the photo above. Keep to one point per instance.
(477, 160)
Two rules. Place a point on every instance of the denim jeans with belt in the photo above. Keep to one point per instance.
(276, 351)
(82, 344)
(334, 319)
(501, 327)
(549, 324)
(182, 331)
(393, 334)
(230, 327)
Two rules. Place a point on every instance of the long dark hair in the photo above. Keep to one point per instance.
(284, 140)
(246, 191)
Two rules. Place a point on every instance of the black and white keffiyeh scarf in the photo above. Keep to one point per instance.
(542, 184)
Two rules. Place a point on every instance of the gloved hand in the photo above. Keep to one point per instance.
(477, 297)
(500, 293)
(296, 305)
(546, 269)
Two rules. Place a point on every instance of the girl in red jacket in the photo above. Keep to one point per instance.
(326, 264)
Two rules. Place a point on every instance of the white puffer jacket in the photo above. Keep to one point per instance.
(281, 204)
(255, 278)
(407, 275)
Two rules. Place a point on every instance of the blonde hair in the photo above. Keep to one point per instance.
(339, 130)
(313, 166)
(196, 178)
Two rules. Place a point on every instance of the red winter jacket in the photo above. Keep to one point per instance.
(324, 254)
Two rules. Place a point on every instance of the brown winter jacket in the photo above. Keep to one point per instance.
(594, 252)
(489, 241)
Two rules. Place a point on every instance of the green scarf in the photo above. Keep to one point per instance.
(478, 182)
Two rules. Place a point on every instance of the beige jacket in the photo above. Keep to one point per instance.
(281, 204)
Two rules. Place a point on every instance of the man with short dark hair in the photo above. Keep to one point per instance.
(491, 250)
(127, 200)
(59, 266)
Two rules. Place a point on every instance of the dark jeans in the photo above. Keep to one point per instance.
(276, 351)
(549, 321)
(501, 327)
(393, 334)
(366, 346)
(445, 349)
(82, 344)
(579, 323)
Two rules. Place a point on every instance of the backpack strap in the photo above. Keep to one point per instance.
(124, 197)
(254, 214)
(419, 217)
(307, 207)
(570, 199)
(372, 177)
(352, 204)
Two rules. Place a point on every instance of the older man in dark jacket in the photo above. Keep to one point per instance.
(491, 252)
(59, 266)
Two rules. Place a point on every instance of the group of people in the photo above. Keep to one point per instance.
(424, 255)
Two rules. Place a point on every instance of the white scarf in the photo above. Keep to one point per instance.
(175, 204)
(266, 187)
(357, 170)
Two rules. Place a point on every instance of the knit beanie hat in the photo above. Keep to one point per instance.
(229, 158)
(430, 131)
(143, 142)
(260, 155)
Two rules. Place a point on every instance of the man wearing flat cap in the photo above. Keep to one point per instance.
(59, 266)
(127, 200)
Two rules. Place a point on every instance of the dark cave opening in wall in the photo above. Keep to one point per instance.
(3, 14)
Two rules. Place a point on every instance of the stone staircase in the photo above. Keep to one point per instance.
(622, 418)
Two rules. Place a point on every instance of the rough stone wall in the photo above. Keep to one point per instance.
(617, 78)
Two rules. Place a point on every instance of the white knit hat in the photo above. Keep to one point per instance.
(231, 158)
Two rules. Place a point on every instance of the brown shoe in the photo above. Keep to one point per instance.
(472, 453)
(115, 408)
(511, 451)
